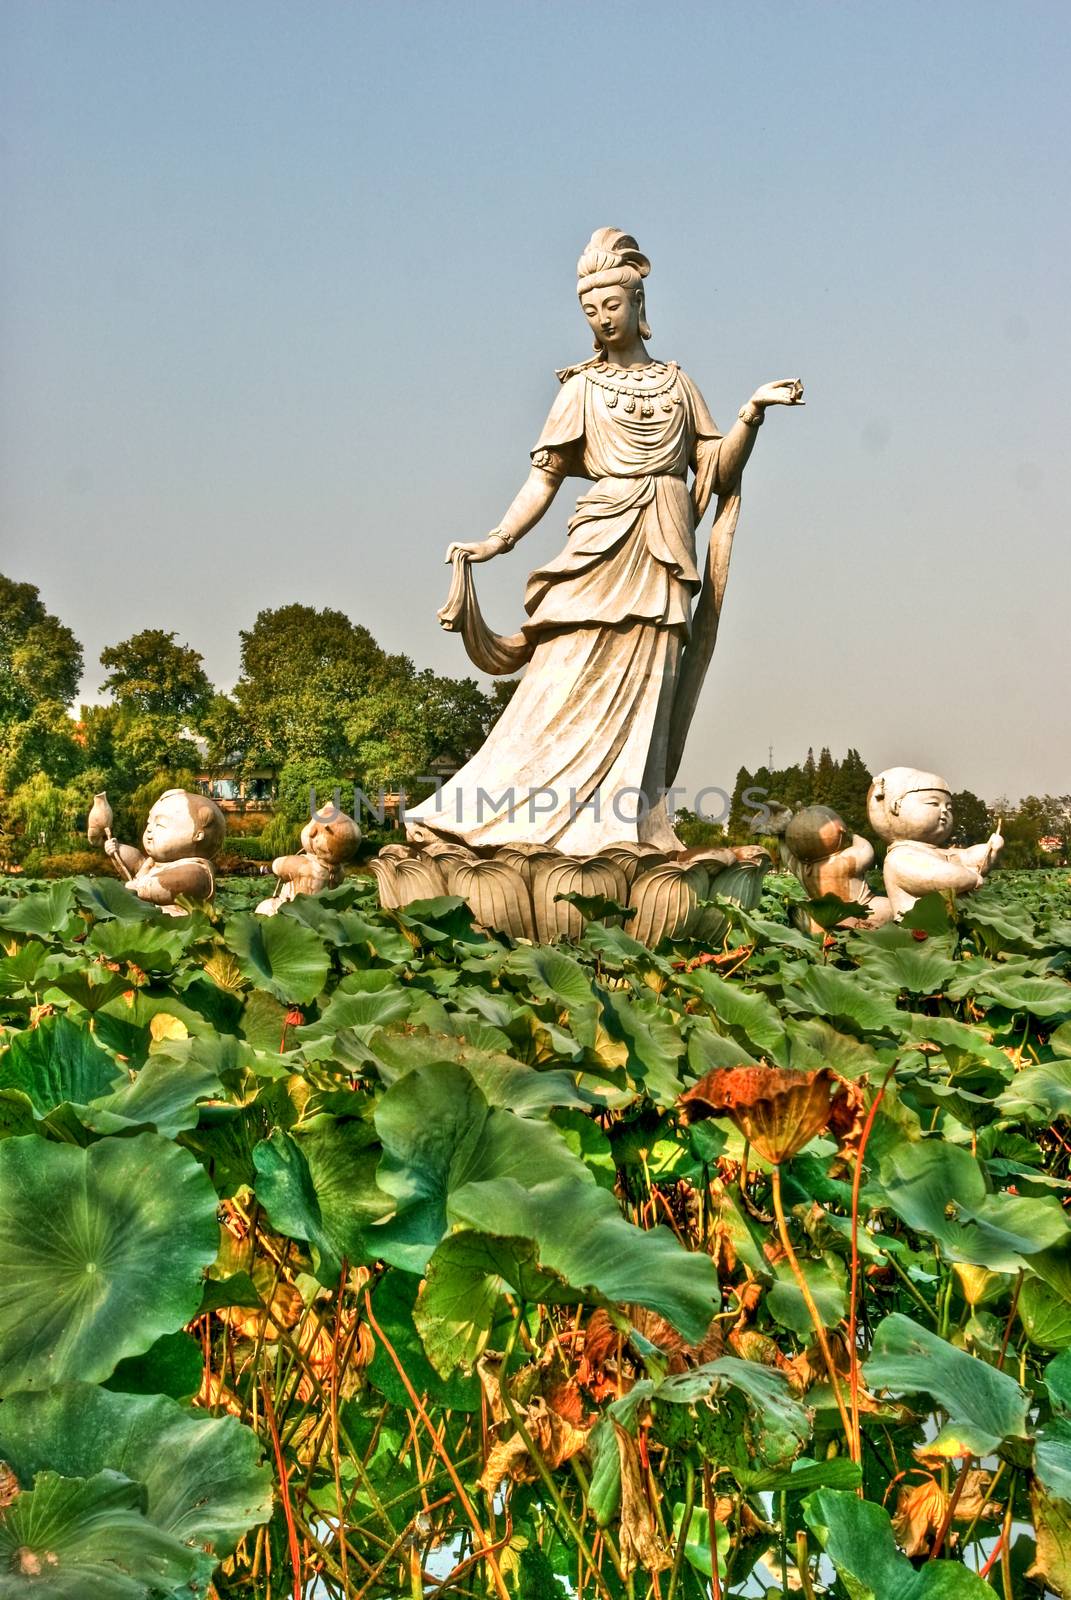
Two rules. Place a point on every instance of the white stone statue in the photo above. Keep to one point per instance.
(614, 656)
(182, 834)
(912, 812)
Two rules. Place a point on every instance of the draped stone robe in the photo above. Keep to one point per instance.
(578, 757)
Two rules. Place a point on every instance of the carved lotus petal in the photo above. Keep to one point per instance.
(439, 849)
(526, 861)
(418, 879)
(666, 901)
(557, 919)
(497, 895)
(779, 1111)
(396, 852)
(384, 869)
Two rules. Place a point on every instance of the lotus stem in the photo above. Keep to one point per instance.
(686, 1522)
(809, 1302)
(440, 1450)
(856, 1441)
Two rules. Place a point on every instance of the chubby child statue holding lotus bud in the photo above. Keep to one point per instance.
(183, 833)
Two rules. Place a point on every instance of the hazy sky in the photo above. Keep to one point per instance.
(284, 286)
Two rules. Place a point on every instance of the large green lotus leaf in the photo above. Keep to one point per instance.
(781, 1425)
(984, 1406)
(551, 975)
(152, 946)
(280, 955)
(57, 1062)
(164, 1094)
(1003, 925)
(392, 1304)
(915, 969)
(843, 997)
(89, 987)
(503, 1081)
(1039, 1094)
(361, 1013)
(1045, 1315)
(652, 1036)
(744, 1012)
(1060, 1040)
(939, 1189)
(106, 897)
(1044, 998)
(318, 1183)
(960, 1042)
(458, 1301)
(47, 913)
(1052, 1458)
(101, 1251)
(584, 1240)
(439, 1135)
(174, 1366)
(69, 1538)
(813, 1044)
(202, 1477)
(708, 1049)
(801, 1476)
(826, 1281)
(858, 1539)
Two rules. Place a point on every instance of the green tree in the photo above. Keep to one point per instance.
(970, 818)
(151, 674)
(303, 673)
(40, 658)
(850, 787)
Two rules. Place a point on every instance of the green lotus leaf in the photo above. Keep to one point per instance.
(814, 1044)
(69, 1538)
(58, 1062)
(1040, 1093)
(392, 1303)
(318, 1183)
(47, 913)
(652, 1036)
(1045, 1315)
(164, 1094)
(200, 1476)
(984, 1406)
(1045, 998)
(106, 897)
(745, 1013)
(914, 969)
(844, 997)
(112, 1258)
(438, 1134)
(781, 1425)
(152, 946)
(940, 1189)
(858, 1539)
(280, 955)
(552, 975)
(584, 1240)
(174, 1366)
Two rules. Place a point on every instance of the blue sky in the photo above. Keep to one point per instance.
(285, 286)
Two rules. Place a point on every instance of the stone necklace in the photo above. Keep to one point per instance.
(637, 386)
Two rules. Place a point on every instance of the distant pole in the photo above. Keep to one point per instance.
(769, 758)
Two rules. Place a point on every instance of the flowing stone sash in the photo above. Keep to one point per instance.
(495, 653)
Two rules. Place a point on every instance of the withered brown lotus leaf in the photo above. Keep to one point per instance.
(777, 1110)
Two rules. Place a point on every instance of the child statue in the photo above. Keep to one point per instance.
(328, 844)
(183, 833)
(912, 812)
(828, 858)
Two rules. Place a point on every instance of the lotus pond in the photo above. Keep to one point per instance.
(358, 1253)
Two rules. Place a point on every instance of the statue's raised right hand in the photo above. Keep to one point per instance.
(479, 550)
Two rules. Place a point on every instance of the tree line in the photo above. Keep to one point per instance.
(317, 703)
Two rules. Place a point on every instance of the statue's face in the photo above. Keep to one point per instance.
(171, 831)
(926, 815)
(613, 314)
